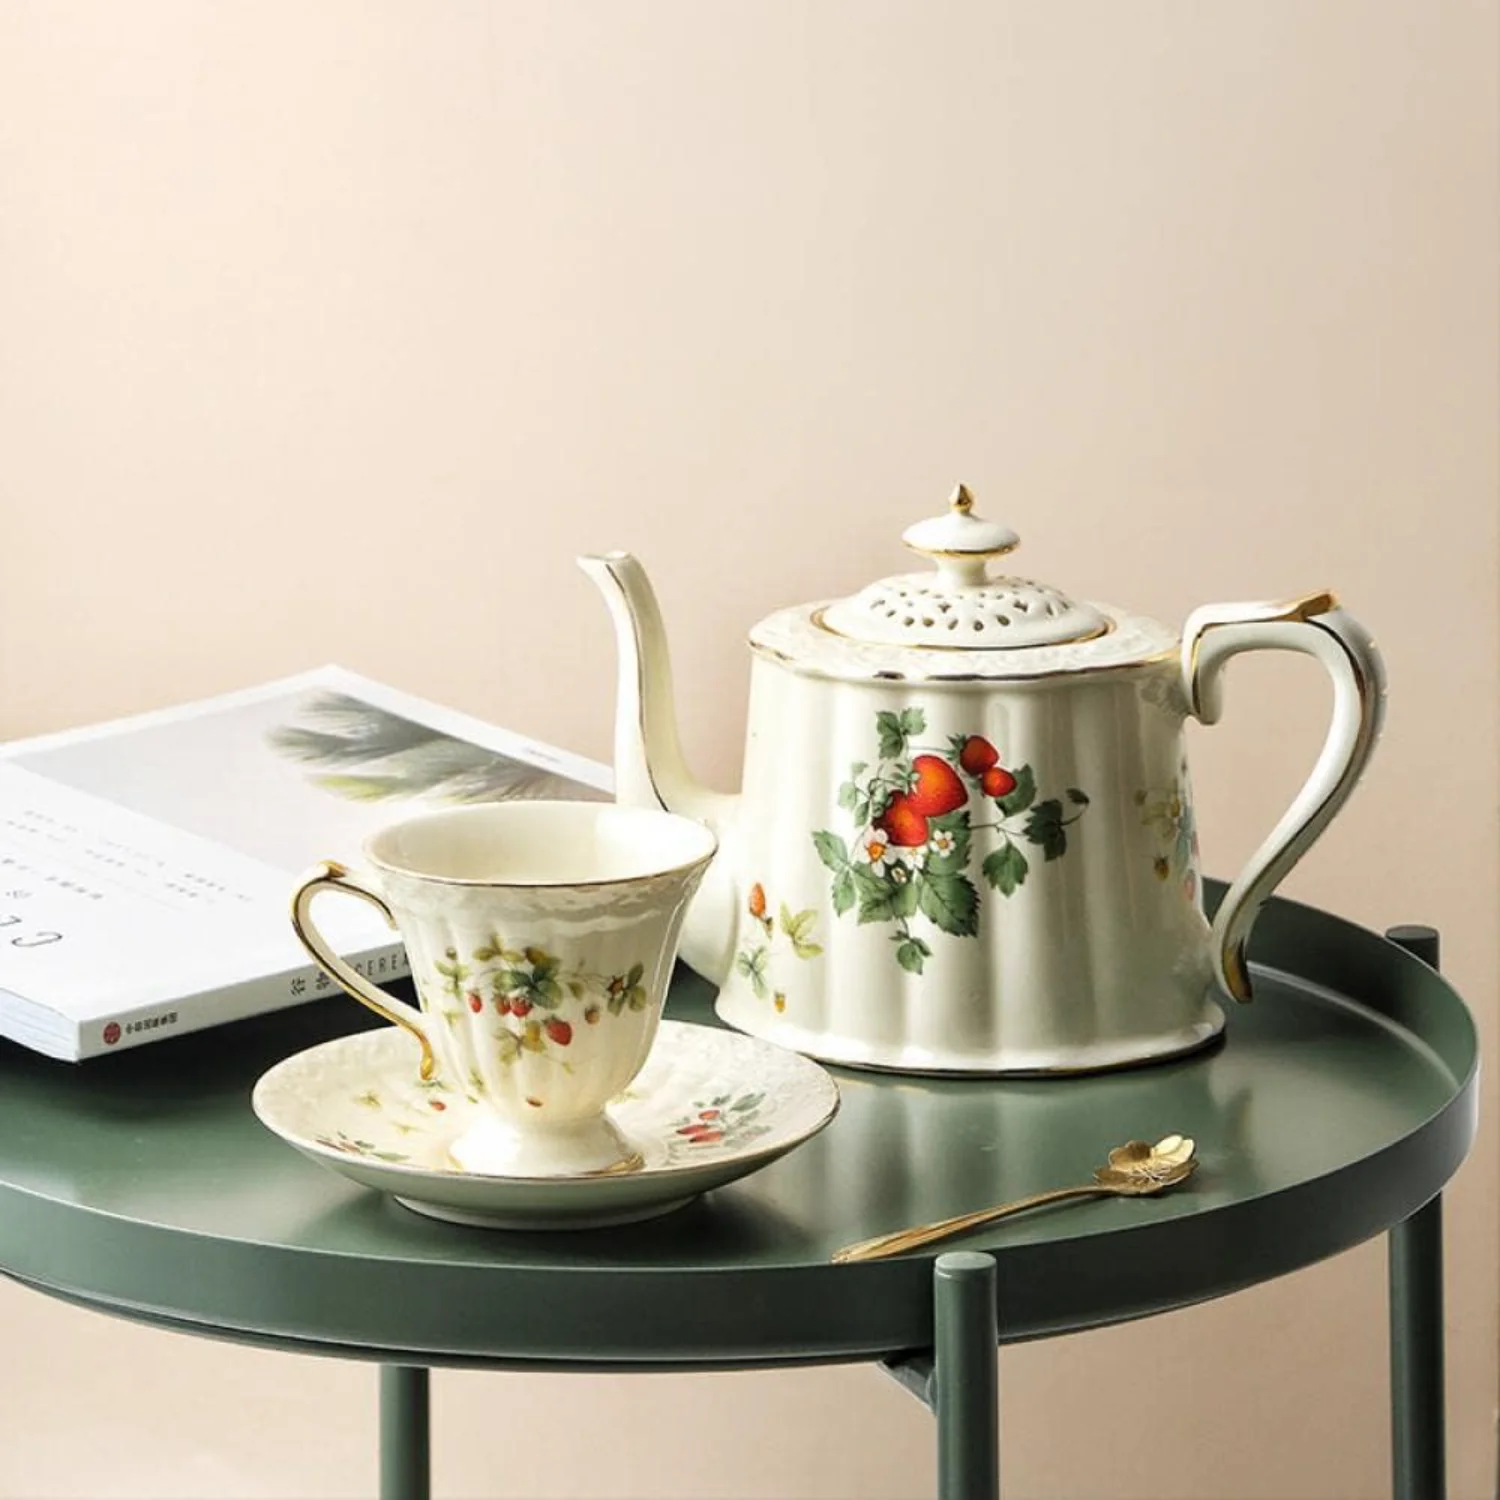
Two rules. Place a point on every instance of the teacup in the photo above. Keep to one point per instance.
(541, 937)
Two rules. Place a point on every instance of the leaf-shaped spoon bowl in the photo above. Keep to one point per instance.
(1135, 1170)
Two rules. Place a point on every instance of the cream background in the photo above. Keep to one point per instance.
(334, 330)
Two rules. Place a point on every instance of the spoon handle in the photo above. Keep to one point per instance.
(924, 1234)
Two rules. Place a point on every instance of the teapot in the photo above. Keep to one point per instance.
(965, 841)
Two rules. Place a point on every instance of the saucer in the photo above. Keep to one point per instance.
(708, 1107)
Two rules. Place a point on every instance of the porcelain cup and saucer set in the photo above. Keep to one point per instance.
(965, 844)
(537, 1086)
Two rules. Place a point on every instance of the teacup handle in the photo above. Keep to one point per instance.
(1318, 627)
(332, 876)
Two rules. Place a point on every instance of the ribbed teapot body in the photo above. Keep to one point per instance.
(984, 876)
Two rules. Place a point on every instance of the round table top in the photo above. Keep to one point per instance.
(1342, 1099)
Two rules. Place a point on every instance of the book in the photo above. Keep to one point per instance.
(147, 863)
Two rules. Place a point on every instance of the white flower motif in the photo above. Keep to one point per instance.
(880, 855)
(943, 842)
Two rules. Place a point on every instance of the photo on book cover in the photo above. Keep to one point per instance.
(304, 774)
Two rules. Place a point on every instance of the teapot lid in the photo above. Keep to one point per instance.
(956, 622)
(959, 605)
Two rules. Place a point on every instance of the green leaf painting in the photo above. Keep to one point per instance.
(911, 952)
(951, 902)
(1005, 869)
(751, 962)
(760, 959)
(798, 926)
(832, 850)
(895, 731)
(1045, 828)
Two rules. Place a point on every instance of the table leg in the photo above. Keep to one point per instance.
(1418, 1440)
(405, 1444)
(965, 1376)
(1418, 1436)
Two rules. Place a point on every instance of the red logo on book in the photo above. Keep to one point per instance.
(112, 1033)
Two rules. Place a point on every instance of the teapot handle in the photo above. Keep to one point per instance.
(1315, 626)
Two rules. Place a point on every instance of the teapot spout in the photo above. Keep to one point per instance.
(650, 770)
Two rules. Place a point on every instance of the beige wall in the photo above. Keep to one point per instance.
(334, 330)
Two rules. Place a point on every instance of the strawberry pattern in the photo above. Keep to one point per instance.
(352, 1146)
(788, 931)
(724, 1119)
(529, 986)
(916, 811)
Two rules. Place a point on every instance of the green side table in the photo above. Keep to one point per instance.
(1341, 1103)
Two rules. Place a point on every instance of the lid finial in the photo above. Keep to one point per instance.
(958, 540)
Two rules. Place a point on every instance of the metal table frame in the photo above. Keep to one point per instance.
(957, 1379)
(94, 1215)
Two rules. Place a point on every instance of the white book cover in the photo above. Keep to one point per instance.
(146, 864)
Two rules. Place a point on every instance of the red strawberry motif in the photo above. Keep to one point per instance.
(476, 1004)
(977, 755)
(937, 789)
(757, 900)
(708, 1114)
(520, 1007)
(902, 824)
(560, 1031)
(998, 782)
(708, 1137)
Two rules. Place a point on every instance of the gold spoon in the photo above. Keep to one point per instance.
(1135, 1170)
